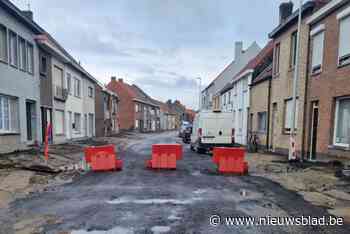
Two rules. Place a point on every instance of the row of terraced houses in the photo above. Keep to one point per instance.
(45, 91)
(257, 87)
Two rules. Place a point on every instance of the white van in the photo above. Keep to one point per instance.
(212, 129)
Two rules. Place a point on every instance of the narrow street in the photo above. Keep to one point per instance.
(137, 200)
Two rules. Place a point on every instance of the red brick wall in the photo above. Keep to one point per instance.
(126, 106)
(332, 82)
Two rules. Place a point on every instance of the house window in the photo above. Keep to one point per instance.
(77, 122)
(317, 52)
(262, 121)
(22, 54)
(91, 92)
(3, 44)
(342, 122)
(43, 65)
(344, 38)
(77, 87)
(30, 56)
(289, 115)
(69, 83)
(224, 99)
(136, 124)
(59, 122)
(137, 108)
(13, 49)
(293, 49)
(229, 97)
(8, 114)
(276, 68)
(245, 84)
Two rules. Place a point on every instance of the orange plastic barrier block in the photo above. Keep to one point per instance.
(90, 151)
(230, 160)
(102, 158)
(165, 156)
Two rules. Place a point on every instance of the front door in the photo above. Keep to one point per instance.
(85, 125)
(91, 125)
(314, 128)
(31, 121)
(273, 123)
(70, 124)
(46, 116)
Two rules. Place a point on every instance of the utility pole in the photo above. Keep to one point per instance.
(200, 92)
(292, 151)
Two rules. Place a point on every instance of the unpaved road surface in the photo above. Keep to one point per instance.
(137, 200)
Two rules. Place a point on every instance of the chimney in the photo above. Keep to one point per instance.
(286, 10)
(113, 78)
(28, 14)
(238, 49)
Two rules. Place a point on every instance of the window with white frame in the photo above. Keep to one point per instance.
(3, 44)
(289, 115)
(30, 57)
(22, 54)
(43, 66)
(59, 122)
(317, 52)
(90, 92)
(77, 122)
(293, 49)
(77, 87)
(342, 122)
(344, 38)
(9, 117)
(69, 83)
(277, 51)
(262, 122)
(13, 49)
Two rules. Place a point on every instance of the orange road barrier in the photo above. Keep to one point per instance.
(230, 160)
(102, 158)
(165, 156)
(47, 136)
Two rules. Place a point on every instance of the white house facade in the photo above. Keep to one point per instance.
(19, 80)
(211, 95)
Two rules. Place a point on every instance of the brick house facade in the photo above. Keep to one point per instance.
(284, 37)
(328, 101)
(260, 90)
(106, 103)
(136, 109)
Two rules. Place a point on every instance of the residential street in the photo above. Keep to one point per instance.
(137, 200)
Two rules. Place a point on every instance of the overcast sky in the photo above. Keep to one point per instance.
(160, 45)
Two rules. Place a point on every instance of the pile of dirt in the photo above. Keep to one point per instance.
(317, 182)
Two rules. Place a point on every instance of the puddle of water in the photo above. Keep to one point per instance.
(153, 201)
(160, 229)
(200, 191)
(116, 230)
(196, 173)
(174, 215)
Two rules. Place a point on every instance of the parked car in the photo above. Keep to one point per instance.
(187, 135)
(183, 127)
(212, 129)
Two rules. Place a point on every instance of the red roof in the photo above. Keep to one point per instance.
(252, 64)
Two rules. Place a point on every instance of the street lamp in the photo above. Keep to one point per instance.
(200, 91)
(292, 151)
